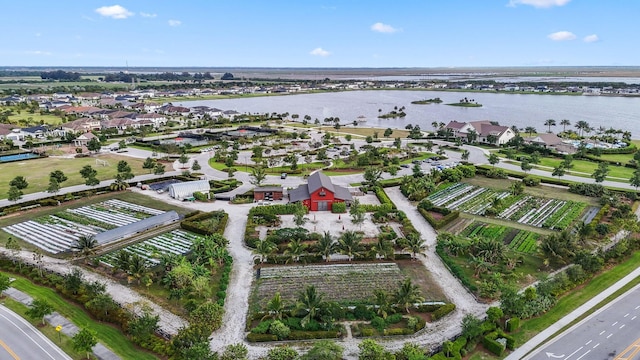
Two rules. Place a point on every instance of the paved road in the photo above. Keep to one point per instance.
(19, 340)
(613, 332)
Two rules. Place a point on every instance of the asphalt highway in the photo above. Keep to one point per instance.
(612, 332)
(19, 340)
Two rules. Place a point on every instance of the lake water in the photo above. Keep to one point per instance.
(508, 109)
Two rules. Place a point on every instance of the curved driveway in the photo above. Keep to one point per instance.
(19, 340)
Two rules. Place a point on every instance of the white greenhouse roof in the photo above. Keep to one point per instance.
(186, 189)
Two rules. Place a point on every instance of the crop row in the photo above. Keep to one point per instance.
(525, 241)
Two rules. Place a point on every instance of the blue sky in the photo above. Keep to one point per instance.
(310, 33)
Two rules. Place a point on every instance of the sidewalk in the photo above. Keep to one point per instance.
(522, 351)
(68, 328)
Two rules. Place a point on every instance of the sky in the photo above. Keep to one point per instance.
(328, 33)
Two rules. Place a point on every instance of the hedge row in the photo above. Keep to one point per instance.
(443, 311)
(252, 337)
(455, 269)
(438, 224)
(512, 324)
(493, 346)
(192, 223)
(383, 197)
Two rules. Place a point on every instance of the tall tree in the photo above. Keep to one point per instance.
(14, 194)
(85, 245)
(54, 186)
(84, 341)
(19, 182)
(549, 123)
(258, 175)
(38, 309)
(349, 244)
(326, 246)
(407, 294)
(530, 130)
(310, 301)
(601, 172)
(58, 175)
(149, 164)
(565, 123)
(493, 159)
(415, 244)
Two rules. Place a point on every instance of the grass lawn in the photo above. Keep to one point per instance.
(107, 334)
(589, 167)
(365, 131)
(621, 158)
(540, 191)
(37, 171)
(35, 118)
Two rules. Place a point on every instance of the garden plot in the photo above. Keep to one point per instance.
(546, 213)
(517, 240)
(175, 242)
(540, 212)
(338, 282)
(468, 198)
(58, 232)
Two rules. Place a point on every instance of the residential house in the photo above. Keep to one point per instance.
(484, 131)
(319, 193)
(546, 140)
(82, 125)
(83, 139)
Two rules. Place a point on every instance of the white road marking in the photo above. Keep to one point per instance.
(633, 318)
(596, 345)
(622, 326)
(602, 332)
(588, 342)
(614, 324)
(583, 355)
(609, 335)
(637, 307)
(627, 314)
(573, 353)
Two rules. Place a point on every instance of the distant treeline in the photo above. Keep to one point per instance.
(165, 76)
(60, 75)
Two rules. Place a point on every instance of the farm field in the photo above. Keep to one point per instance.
(45, 212)
(176, 242)
(58, 232)
(524, 209)
(517, 240)
(38, 179)
(339, 282)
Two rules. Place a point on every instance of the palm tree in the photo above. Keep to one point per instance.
(264, 248)
(479, 265)
(275, 308)
(122, 260)
(530, 130)
(490, 250)
(382, 248)
(295, 248)
(549, 123)
(582, 126)
(86, 245)
(137, 267)
(349, 244)
(310, 301)
(407, 294)
(415, 244)
(326, 246)
(564, 123)
(383, 303)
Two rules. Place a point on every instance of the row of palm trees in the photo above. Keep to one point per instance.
(583, 127)
(312, 303)
(349, 243)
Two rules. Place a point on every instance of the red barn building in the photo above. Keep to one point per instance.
(319, 194)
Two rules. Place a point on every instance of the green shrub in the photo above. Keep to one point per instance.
(397, 331)
(282, 353)
(252, 337)
(279, 329)
(531, 181)
(492, 346)
(512, 324)
(379, 323)
(262, 328)
(443, 311)
(339, 207)
(309, 335)
(394, 319)
(428, 308)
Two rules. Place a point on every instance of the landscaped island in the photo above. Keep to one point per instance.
(464, 102)
(427, 101)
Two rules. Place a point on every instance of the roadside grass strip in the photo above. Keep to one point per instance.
(175, 242)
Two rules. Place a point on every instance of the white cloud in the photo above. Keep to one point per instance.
(538, 3)
(562, 36)
(383, 28)
(114, 11)
(175, 23)
(148, 15)
(38, 52)
(320, 52)
(591, 38)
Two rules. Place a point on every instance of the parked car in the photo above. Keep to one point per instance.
(283, 176)
(404, 166)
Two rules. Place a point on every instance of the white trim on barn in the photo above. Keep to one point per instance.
(186, 189)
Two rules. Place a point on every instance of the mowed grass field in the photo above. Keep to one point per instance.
(365, 131)
(37, 171)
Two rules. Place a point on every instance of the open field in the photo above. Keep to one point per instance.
(589, 167)
(365, 131)
(37, 171)
(107, 334)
